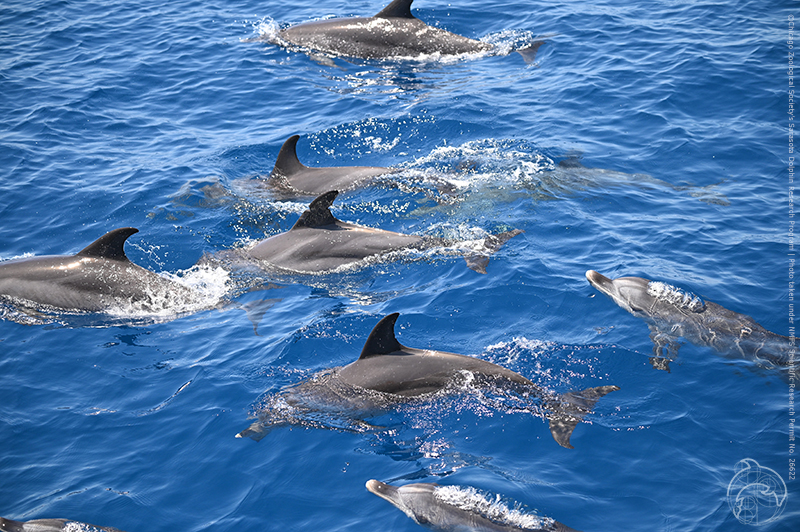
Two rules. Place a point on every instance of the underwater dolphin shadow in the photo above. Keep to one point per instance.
(672, 313)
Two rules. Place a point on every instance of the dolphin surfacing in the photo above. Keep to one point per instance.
(672, 313)
(97, 278)
(392, 33)
(388, 373)
(456, 508)
(319, 243)
(293, 178)
(51, 525)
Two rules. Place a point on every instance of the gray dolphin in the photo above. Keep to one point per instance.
(292, 177)
(97, 278)
(318, 242)
(457, 509)
(388, 373)
(393, 33)
(51, 525)
(672, 313)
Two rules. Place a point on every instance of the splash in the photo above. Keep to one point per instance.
(675, 296)
(471, 500)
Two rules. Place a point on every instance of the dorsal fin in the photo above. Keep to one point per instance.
(319, 212)
(382, 340)
(109, 246)
(397, 9)
(287, 163)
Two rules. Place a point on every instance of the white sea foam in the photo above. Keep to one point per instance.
(471, 500)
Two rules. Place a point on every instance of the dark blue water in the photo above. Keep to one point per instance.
(162, 116)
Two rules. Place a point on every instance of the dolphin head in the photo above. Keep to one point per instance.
(644, 298)
(629, 293)
(414, 500)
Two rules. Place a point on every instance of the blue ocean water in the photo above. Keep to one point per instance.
(163, 116)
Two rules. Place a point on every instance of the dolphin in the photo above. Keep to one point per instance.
(51, 525)
(98, 278)
(296, 179)
(460, 509)
(392, 33)
(672, 313)
(318, 242)
(388, 373)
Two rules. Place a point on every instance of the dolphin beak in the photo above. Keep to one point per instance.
(599, 281)
(384, 491)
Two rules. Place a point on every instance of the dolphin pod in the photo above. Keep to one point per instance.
(672, 313)
(51, 525)
(394, 374)
(392, 33)
(318, 242)
(97, 278)
(292, 177)
(453, 508)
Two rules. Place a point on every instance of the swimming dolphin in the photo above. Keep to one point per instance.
(672, 313)
(393, 33)
(97, 278)
(318, 242)
(457, 509)
(51, 525)
(294, 178)
(388, 373)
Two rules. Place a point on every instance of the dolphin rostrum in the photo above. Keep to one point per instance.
(672, 313)
(393, 33)
(98, 278)
(460, 509)
(294, 178)
(388, 373)
(51, 525)
(318, 242)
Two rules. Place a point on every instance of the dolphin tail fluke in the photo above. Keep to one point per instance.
(492, 243)
(529, 52)
(570, 408)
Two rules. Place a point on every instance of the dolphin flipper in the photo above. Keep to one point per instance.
(109, 246)
(493, 243)
(569, 410)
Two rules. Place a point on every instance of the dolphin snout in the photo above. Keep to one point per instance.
(597, 279)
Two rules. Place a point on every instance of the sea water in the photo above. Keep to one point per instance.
(164, 116)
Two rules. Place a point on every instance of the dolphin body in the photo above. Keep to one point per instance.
(388, 373)
(393, 33)
(453, 509)
(51, 525)
(672, 313)
(97, 278)
(293, 178)
(318, 242)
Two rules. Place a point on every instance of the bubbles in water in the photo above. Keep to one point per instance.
(471, 500)
(675, 296)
